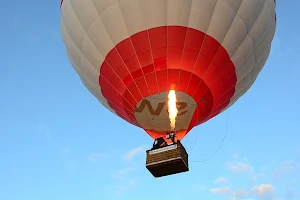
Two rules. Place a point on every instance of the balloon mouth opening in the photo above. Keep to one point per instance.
(180, 134)
(170, 110)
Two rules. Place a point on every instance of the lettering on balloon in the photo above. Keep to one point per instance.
(160, 107)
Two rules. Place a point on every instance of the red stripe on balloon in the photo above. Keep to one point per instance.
(165, 58)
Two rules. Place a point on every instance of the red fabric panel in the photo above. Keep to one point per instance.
(165, 58)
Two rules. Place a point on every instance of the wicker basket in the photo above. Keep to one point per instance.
(168, 160)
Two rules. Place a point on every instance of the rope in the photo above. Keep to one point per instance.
(213, 155)
(196, 133)
(194, 140)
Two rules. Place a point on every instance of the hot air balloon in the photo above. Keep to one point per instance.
(168, 65)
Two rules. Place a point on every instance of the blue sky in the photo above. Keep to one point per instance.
(57, 141)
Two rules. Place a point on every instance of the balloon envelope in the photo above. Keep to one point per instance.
(130, 53)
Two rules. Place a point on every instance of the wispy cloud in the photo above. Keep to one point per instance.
(95, 157)
(221, 191)
(238, 167)
(123, 180)
(134, 152)
(276, 170)
(236, 156)
(122, 188)
(121, 173)
(240, 194)
(221, 180)
(258, 176)
(241, 165)
(286, 168)
(263, 191)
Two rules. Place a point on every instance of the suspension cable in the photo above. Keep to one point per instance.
(223, 139)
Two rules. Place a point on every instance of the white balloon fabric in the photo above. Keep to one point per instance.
(130, 53)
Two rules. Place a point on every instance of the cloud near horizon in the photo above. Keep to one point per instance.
(240, 193)
(221, 191)
(263, 191)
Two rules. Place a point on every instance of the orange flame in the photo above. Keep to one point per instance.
(172, 108)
